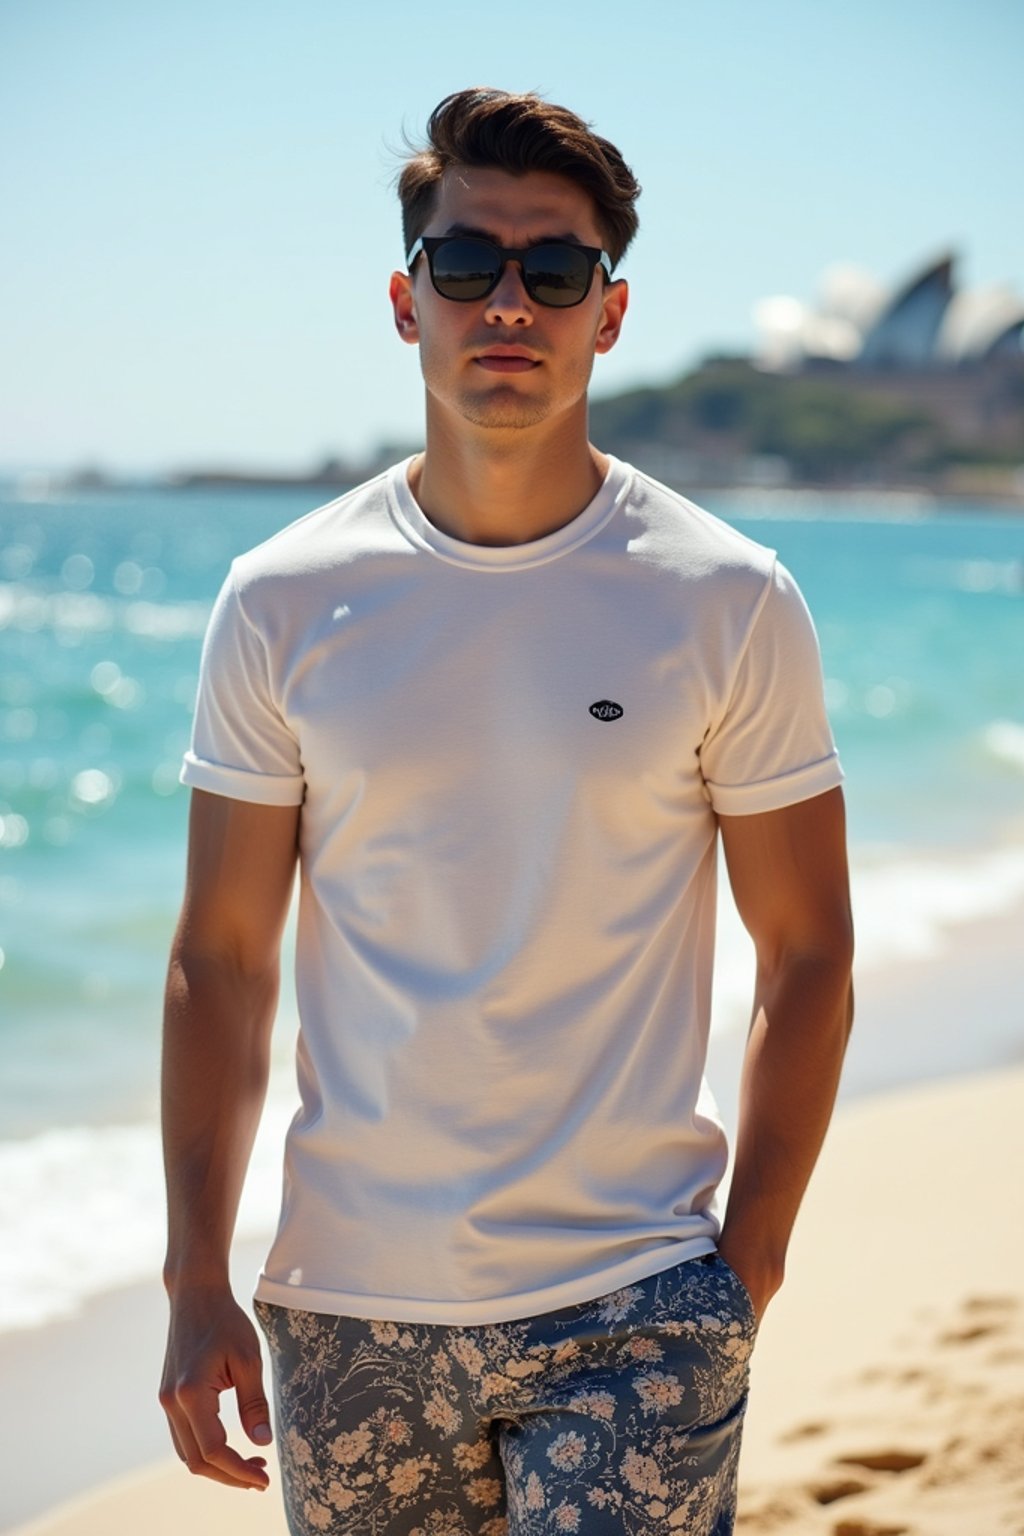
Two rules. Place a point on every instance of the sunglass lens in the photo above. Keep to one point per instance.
(557, 274)
(464, 269)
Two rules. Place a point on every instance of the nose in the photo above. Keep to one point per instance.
(509, 304)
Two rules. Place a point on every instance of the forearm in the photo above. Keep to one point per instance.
(215, 1068)
(802, 1015)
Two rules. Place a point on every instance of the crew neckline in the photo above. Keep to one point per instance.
(420, 531)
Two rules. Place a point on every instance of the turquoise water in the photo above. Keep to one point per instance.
(103, 602)
(921, 625)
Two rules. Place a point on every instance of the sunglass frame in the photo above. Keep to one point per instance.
(429, 245)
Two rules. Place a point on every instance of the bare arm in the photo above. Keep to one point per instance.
(222, 988)
(789, 877)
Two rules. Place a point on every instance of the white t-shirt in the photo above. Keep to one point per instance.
(509, 762)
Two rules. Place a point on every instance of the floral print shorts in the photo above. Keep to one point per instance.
(617, 1417)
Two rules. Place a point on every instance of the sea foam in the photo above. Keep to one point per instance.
(905, 906)
(82, 1210)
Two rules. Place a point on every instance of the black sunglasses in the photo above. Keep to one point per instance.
(467, 267)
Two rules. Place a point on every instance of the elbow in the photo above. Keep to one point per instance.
(243, 960)
(216, 984)
(816, 967)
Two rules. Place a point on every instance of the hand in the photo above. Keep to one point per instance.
(761, 1280)
(212, 1347)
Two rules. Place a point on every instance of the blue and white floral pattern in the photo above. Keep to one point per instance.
(618, 1417)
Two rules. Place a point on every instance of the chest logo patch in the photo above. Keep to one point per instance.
(606, 709)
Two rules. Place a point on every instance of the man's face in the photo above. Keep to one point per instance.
(507, 361)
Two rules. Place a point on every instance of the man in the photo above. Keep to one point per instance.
(498, 704)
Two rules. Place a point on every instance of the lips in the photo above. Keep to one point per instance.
(507, 360)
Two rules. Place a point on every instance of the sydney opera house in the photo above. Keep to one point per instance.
(928, 323)
(920, 388)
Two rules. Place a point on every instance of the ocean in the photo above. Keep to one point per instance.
(103, 604)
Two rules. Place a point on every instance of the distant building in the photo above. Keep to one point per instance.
(906, 333)
(926, 324)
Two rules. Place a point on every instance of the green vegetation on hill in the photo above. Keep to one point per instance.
(827, 426)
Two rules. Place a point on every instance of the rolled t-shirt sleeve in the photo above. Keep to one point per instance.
(772, 745)
(241, 745)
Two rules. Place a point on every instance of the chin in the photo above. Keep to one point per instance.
(506, 411)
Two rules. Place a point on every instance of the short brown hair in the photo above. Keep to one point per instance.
(485, 127)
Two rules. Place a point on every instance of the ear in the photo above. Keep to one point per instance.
(403, 305)
(614, 301)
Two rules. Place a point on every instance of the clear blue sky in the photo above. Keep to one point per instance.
(199, 223)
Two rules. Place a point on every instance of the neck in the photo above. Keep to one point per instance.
(505, 487)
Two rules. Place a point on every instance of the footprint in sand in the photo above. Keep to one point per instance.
(987, 1315)
(884, 1461)
(971, 1332)
(867, 1528)
(831, 1491)
(925, 1438)
(804, 1431)
(991, 1304)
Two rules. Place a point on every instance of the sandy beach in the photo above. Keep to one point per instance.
(888, 1388)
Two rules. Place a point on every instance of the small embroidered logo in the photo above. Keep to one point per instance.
(606, 709)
